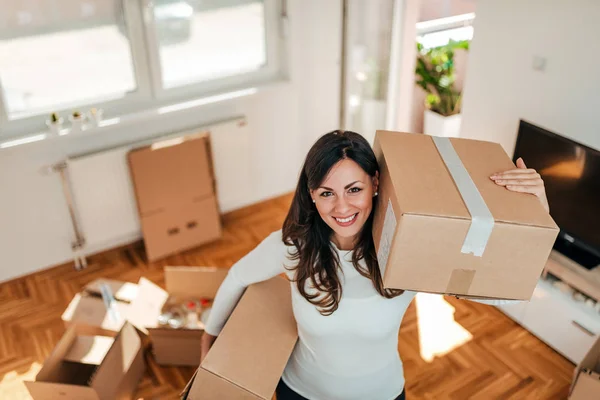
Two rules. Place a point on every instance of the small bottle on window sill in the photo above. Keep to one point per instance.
(54, 123)
(77, 121)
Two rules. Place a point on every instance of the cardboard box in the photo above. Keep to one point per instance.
(421, 221)
(87, 309)
(176, 197)
(586, 379)
(91, 367)
(92, 317)
(173, 346)
(249, 356)
(122, 291)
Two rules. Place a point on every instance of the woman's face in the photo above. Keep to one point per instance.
(345, 200)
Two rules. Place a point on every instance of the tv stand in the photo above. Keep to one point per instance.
(576, 253)
(555, 315)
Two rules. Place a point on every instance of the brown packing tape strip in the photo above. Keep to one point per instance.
(460, 281)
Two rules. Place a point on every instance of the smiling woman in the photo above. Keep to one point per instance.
(345, 205)
(340, 178)
(347, 321)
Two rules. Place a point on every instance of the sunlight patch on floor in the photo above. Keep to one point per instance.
(12, 384)
(439, 333)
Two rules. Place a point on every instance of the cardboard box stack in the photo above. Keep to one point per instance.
(586, 380)
(176, 197)
(91, 367)
(442, 226)
(248, 357)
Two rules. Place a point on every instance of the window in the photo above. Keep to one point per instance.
(123, 55)
(62, 56)
(439, 32)
(207, 42)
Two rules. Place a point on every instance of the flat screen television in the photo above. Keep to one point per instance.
(571, 173)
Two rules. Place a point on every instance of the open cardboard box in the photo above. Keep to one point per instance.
(249, 356)
(91, 367)
(122, 291)
(176, 194)
(92, 317)
(87, 309)
(421, 221)
(173, 346)
(586, 379)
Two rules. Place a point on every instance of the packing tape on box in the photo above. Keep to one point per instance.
(482, 221)
(460, 281)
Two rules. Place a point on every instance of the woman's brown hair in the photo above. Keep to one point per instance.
(304, 229)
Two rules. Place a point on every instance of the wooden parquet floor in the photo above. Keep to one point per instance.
(500, 361)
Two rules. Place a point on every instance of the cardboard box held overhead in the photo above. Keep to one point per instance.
(174, 346)
(175, 191)
(425, 234)
(91, 367)
(586, 380)
(249, 356)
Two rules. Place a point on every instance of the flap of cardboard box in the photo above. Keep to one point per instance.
(166, 173)
(184, 226)
(53, 391)
(89, 349)
(259, 336)
(92, 311)
(49, 371)
(144, 311)
(415, 165)
(587, 386)
(122, 291)
(590, 362)
(194, 281)
(175, 334)
(214, 387)
(117, 362)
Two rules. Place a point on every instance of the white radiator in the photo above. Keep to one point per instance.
(103, 196)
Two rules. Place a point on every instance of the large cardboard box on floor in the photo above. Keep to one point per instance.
(175, 190)
(249, 356)
(586, 380)
(91, 367)
(87, 309)
(424, 232)
(173, 346)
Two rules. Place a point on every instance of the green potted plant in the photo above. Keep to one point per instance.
(436, 75)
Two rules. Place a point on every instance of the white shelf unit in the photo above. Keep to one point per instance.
(568, 326)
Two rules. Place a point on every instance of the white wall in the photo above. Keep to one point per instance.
(501, 86)
(284, 121)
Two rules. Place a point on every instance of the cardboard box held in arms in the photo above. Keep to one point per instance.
(249, 356)
(442, 225)
(91, 367)
(586, 380)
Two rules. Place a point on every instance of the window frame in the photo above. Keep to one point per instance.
(149, 92)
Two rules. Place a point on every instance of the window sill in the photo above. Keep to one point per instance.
(145, 115)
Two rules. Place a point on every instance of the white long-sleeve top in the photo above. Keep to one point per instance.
(351, 354)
